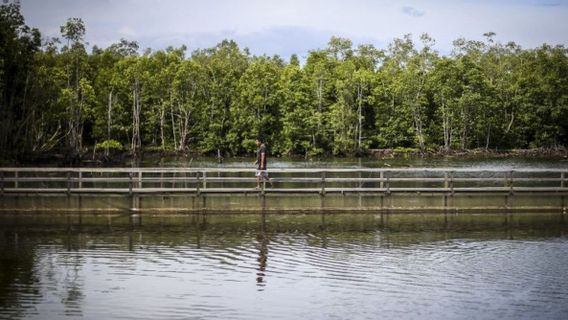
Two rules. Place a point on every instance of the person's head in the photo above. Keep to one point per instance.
(259, 140)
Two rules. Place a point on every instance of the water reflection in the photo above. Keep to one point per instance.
(317, 266)
(263, 240)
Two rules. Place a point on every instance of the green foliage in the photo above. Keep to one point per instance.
(110, 144)
(18, 47)
(256, 109)
(341, 100)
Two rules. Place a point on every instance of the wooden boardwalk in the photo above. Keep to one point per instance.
(137, 183)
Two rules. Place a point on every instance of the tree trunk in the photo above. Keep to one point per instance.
(72, 135)
(510, 122)
(417, 114)
(162, 124)
(173, 126)
(446, 125)
(136, 140)
(109, 120)
(79, 119)
(360, 116)
(464, 131)
(488, 134)
(320, 110)
(419, 131)
(184, 127)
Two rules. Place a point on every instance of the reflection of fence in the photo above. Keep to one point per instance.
(200, 182)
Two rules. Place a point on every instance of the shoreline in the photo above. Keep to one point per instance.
(544, 153)
(121, 157)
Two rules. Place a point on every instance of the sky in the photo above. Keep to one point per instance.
(285, 27)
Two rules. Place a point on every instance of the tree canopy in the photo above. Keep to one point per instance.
(342, 100)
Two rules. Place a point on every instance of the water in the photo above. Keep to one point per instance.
(480, 162)
(349, 266)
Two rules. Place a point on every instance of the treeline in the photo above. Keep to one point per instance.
(55, 97)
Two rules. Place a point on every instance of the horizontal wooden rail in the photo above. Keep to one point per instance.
(127, 170)
(277, 190)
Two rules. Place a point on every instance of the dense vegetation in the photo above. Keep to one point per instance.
(55, 97)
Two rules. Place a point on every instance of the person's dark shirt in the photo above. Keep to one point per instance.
(259, 152)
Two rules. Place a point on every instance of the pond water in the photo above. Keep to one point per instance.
(283, 162)
(253, 266)
(481, 161)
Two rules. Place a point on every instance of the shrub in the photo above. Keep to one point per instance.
(110, 144)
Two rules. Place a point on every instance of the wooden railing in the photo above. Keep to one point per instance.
(321, 181)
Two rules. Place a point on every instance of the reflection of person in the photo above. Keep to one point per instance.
(263, 239)
(260, 162)
(262, 258)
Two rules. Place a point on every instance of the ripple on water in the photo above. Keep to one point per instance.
(292, 275)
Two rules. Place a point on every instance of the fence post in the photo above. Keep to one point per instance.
(563, 204)
(511, 182)
(204, 180)
(322, 192)
(130, 183)
(16, 179)
(68, 182)
(134, 205)
(80, 179)
(198, 183)
(140, 179)
(452, 182)
(382, 176)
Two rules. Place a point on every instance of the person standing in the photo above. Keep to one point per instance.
(261, 160)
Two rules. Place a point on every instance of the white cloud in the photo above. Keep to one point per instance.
(412, 11)
(267, 24)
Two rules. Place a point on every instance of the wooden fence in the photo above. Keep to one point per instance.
(320, 181)
(201, 182)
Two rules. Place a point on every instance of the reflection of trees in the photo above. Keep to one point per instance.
(72, 282)
(18, 278)
(23, 273)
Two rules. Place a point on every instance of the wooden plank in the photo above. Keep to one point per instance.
(35, 190)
